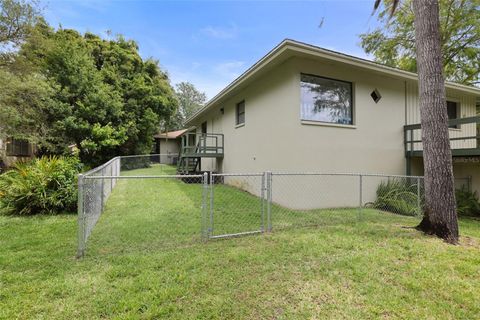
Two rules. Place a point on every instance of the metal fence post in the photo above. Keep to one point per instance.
(81, 218)
(360, 196)
(419, 204)
(269, 200)
(262, 225)
(212, 194)
(204, 231)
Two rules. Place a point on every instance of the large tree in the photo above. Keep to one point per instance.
(103, 97)
(393, 42)
(190, 100)
(17, 17)
(440, 216)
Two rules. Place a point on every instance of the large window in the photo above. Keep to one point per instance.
(326, 100)
(18, 148)
(240, 113)
(453, 111)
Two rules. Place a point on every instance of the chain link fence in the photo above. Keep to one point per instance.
(144, 199)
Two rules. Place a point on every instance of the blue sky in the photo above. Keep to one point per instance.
(209, 43)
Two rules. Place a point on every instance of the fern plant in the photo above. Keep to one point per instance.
(43, 185)
(467, 202)
(397, 196)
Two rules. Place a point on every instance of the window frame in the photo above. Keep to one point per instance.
(458, 112)
(237, 113)
(15, 150)
(352, 123)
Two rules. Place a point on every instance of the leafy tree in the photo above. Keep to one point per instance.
(16, 20)
(440, 216)
(106, 100)
(190, 100)
(393, 43)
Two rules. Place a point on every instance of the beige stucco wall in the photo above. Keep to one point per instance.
(168, 146)
(169, 149)
(275, 139)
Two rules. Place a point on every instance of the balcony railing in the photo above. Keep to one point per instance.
(464, 138)
(202, 145)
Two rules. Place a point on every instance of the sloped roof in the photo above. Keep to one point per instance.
(288, 48)
(170, 134)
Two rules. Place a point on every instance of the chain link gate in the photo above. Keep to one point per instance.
(241, 213)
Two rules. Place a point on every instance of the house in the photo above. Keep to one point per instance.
(167, 144)
(304, 108)
(12, 150)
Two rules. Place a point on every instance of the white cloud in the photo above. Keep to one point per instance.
(206, 78)
(217, 32)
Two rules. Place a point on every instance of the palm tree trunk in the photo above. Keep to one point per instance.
(440, 216)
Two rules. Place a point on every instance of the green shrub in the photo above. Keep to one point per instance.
(397, 196)
(467, 202)
(43, 185)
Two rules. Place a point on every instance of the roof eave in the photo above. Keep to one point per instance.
(307, 49)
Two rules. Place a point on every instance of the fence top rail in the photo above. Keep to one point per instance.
(255, 174)
(148, 155)
(171, 176)
(344, 174)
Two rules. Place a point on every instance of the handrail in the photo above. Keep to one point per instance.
(452, 122)
(410, 142)
(198, 144)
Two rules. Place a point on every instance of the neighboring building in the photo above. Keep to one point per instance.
(12, 150)
(168, 145)
(304, 108)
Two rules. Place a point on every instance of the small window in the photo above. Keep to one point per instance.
(326, 100)
(204, 127)
(452, 111)
(376, 96)
(18, 148)
(240, 118)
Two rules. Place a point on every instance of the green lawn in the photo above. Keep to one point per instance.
(144, 260)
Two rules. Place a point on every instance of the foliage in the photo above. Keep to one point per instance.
(367, 270)
(397, 196)
(467, 202)
(16, 19)
(393, 42)
(190, 100)
(25, 101)
(44, 185)
(96, 94)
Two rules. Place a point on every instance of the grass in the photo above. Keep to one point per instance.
(144, 261)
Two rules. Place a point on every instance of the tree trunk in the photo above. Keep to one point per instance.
(440, 216)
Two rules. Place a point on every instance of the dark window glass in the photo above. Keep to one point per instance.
(240, 118)
(18, 148)
(204, 127)
(326, 100)
(376, 96)
(452, 111)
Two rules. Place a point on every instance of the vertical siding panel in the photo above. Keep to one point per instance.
(467, 109)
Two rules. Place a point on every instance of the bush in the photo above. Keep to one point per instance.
(397, 196)
(467, 202)
(43, 185)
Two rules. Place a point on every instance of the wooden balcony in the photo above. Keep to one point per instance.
(203, 145)
(197, 146)
(464, 138)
